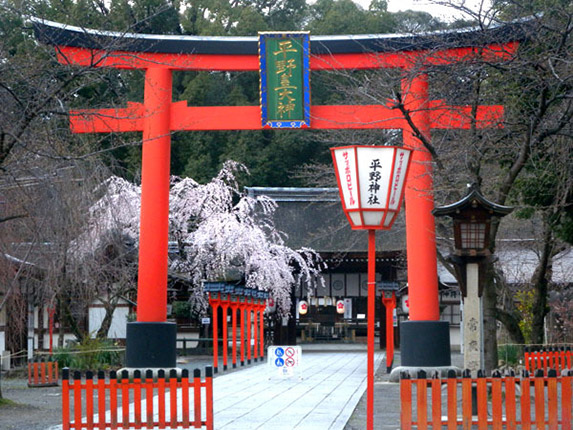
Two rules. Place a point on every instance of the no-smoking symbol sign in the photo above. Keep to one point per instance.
(285, 359)
(290, 360)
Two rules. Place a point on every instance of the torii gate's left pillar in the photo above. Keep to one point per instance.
(151, 341)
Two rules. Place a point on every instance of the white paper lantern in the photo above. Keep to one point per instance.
(371, 183)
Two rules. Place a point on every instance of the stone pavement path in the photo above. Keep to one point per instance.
(331, 386)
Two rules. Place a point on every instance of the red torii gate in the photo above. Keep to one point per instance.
(425, 340)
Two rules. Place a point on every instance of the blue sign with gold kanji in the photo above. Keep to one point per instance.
(284, 60)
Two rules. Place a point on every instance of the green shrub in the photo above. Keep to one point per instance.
(510, 354)
(90, 354)
(181, 309)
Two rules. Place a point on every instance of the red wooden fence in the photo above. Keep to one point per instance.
(502, 402)
(163, 402)
(42, 373)
(548, 358)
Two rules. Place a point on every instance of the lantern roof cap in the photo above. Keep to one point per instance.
(58, 34)
(473, 199)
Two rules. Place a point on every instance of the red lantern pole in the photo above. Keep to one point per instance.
(262, 328)
(234, 306)
(249, 310)
(225, 307)
(242, 308)
(370, 181)
(255, 330)
(390, 305)
(215, 304)
(371, 318)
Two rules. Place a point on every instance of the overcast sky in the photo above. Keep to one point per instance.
(442, 12)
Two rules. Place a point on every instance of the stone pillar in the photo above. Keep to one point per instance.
(472, 320)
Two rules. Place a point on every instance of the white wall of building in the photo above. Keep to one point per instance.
(118, 327)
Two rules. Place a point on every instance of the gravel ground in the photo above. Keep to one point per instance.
(33, 408)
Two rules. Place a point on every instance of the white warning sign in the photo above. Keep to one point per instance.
(284, 360)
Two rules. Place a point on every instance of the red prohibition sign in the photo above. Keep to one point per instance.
(290, 362)
(290, 352)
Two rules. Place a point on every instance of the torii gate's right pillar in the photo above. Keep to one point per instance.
(424, 339)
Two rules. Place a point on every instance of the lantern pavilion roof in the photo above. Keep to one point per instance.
(473, 199)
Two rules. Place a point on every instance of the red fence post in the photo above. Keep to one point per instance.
(149, 388)
(209, 398)
(89, 400)
(113, 399)
(173, 406)
(35, 378)
(197, 398)
(525, 401)
(43, 371)
(185, 397)
(405, 401)
(526, 358)
(101, 399)
(436, 387)
(124, 388)
(552, 400)
(510, 405)
(422, 400)
(452, 400)
(496, 401)
(481, 387)
(77, 388)
(562, 360)
(566, 400)
(467, 400)
(65, 398)
(161, 397)
(539, 387)
(137, 385)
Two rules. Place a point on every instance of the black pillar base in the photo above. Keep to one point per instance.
(151, 344)
(425, 344)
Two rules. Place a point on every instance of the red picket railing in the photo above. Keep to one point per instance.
(548, 358)
(501, 402)
(43, 373)
(123, 403)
